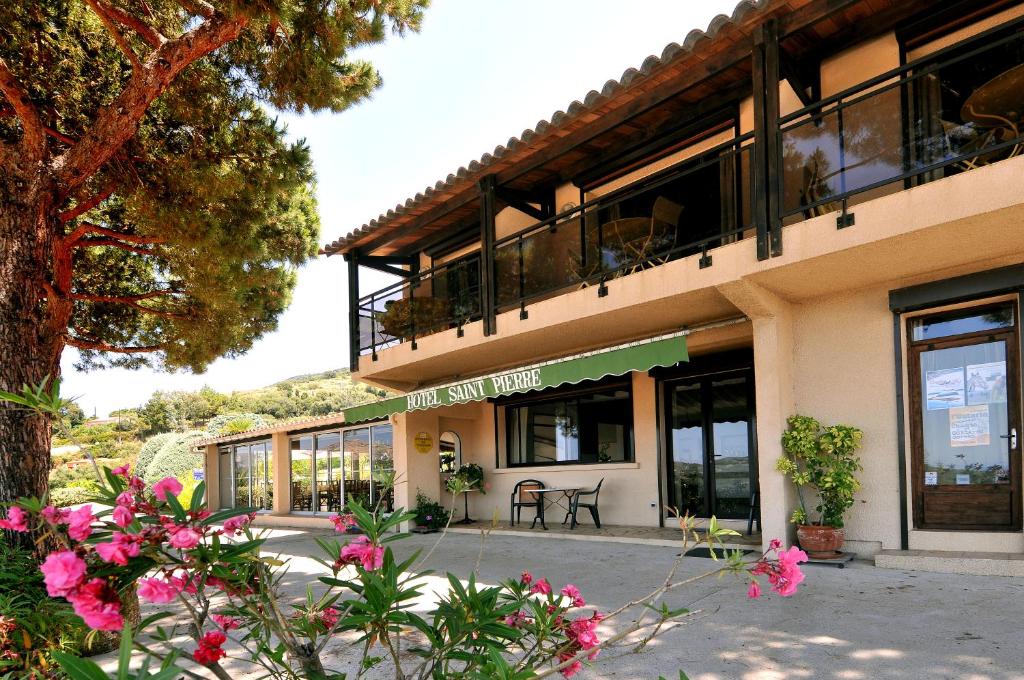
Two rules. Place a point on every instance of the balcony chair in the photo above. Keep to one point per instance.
(575, 505)
(521, 496)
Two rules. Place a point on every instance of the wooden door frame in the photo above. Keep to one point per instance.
(1012, 339)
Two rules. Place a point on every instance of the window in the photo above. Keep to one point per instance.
(961, 321)
(246, 474)
(449, 445)
(331, 469)
(589, 425)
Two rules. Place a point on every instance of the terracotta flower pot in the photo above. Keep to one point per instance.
(820, 542)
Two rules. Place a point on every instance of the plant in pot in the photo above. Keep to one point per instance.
(469, 477)
(824, 460)
(430, 515)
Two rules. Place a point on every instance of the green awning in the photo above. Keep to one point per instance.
(620, 360)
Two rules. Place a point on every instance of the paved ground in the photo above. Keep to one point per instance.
(856, 623)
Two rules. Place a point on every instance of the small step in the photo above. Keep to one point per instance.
(953, 562)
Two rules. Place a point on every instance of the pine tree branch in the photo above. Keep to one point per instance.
(118, 122)
(149, 34)
(112, 243)
(83, 229)
(34, 132)
(101, 346)
(88, 204)
(90, 297)
(115, 33)
(199, 7)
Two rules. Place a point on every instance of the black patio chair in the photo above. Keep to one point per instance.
(575, 504)
(521, 496)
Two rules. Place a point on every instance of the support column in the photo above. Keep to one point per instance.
(767, 148)
(281, 465)
(487, 238)
(211, 475)
(352, 258)
(772, 321)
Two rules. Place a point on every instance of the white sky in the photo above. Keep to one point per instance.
(478, 74)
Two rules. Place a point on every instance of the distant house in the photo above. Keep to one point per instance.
(812, 207)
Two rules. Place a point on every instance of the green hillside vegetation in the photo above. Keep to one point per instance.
(158, 438)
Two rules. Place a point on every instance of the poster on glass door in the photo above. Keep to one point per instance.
(944, 388)
(986, 383)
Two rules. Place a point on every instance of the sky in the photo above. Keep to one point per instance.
(477, 74)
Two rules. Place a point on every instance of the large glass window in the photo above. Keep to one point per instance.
(332, 469)
(302, 474)
(593, 425)
(246, 474)
(242, 470)
(227, 496)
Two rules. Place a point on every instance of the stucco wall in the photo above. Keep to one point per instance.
(844, 373)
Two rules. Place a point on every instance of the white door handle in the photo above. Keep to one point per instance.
(1012, 437)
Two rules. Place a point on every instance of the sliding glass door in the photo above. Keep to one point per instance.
(331, 469)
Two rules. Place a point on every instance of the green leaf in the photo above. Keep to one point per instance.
(79, 669)
(124, 654)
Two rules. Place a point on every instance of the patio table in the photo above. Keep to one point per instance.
(541, 496)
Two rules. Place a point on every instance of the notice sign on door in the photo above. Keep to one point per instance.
(931, 478)
(969, 426)
(944, 388)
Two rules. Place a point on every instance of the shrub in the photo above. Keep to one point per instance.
(149, 450)
(234, 423)
(469, 477)
(32, 624)
(176, 458)
(63, 497)
(430, 513)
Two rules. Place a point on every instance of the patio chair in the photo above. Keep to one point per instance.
(591, 505)
(521, 496)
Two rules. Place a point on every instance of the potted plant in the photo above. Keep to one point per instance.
(469, 477)
(823, 459)
(430, 515)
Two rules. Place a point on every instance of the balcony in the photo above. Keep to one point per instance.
(950, 112)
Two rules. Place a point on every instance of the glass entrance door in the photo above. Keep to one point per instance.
(711, 467)
(966, 420)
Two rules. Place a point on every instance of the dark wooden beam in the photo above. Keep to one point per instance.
(524, 201)
(804, 76)
(385, 263)
(487, 187)
(352, 259)
(760, 168)
(773, 146)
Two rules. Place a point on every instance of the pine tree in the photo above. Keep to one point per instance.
(152, 211)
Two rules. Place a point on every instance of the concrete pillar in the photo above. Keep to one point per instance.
(772, 320)
(211, 474)
(645, 440)
(281, 467)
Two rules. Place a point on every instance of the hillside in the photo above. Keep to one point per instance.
(178, 417)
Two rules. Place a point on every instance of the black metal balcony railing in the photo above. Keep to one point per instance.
(952, 111)
(681, 211)
(426, 302)
(955, 110)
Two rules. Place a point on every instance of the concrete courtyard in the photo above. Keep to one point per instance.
(857, 623)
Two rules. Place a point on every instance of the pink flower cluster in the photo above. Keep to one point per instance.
(343, 522)
(783, 573)
(581, 632)
(209, 651)
(363, 551)
(95, 600)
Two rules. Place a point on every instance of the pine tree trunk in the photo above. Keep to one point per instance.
(31, 326)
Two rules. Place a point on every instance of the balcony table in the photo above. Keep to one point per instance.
(998, 105)
(567, 494)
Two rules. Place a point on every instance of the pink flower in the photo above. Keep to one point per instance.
(80, 523)
(526, 578)
(227, 622)
(343, 522)
(572, 668)
(186, 583)
(234, 525)
(584, 632)
(123, 516)
(515, 620)
(774, 544)
(125, 499)
(362, 550)
(789, 576)
(158, 591)
(329, 617)
(121, 471)
(541, 586)
(167, 485)
(573, 593)
(119, 549)
(16, 519)
(54, 516)
(185, 538)
(62, 572)
(209, 651)
(98, 605)
(754, 591)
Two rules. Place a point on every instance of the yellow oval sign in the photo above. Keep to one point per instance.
(423, 442)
